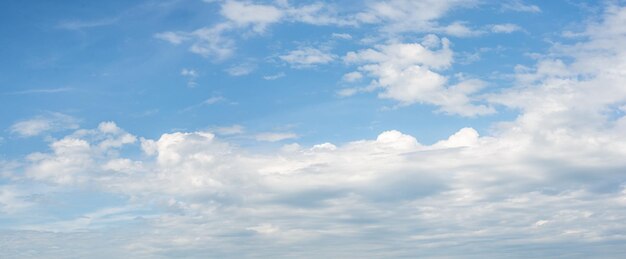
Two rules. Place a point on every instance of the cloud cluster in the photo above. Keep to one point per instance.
(392, 16)
(550, 183)
(407, 72)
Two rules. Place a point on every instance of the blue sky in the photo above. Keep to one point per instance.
(232, 128)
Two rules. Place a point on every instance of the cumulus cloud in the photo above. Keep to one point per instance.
(391, 186)
(407, 72)
(550, 180)
(73, 156)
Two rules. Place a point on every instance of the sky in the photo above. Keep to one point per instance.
(309, 129)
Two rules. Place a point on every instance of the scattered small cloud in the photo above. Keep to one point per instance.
(504, 28)
(352, 77)
(191, 76)
(343, 36)
(41, 91)
(80, 24)
(214, 100)
(275, 136)
(241, 69)
(520, 6)
(207, 102)
(50, 122)
(274, 76)
(229, 130)
(307, 57)
(171, 37)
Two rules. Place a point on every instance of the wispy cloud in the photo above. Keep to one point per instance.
(53, 121)
(274, 76)
(41, 91)
(520, 6)
(86, 24)
(275, 136)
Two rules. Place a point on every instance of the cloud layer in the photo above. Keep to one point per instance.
(548, 183)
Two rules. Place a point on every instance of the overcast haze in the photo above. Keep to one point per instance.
(313, 129)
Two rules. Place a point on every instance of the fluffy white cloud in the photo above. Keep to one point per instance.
(551, 180)
(392, 187)
(406, 72)
(243, 14)
(74, 156)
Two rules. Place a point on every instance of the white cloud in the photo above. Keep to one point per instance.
(214, 100)
(343, 36)
(352, 77)
(391, 186)
(406, 72)
(172, 37)
(210, 41)
(243, 14)
(191, 76)
(241, 69)
(44, 123)
(189, 73)
(12, 200)
(459, 29)
(274, 76)
(230, 130)
(306, 57)
(520, 6)
(405, 15)
(206, 41)
(249, 18)
(504, 28)
(41, 91)
(275, 136)
(75, 156)
(549, 181)
(79, 25)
